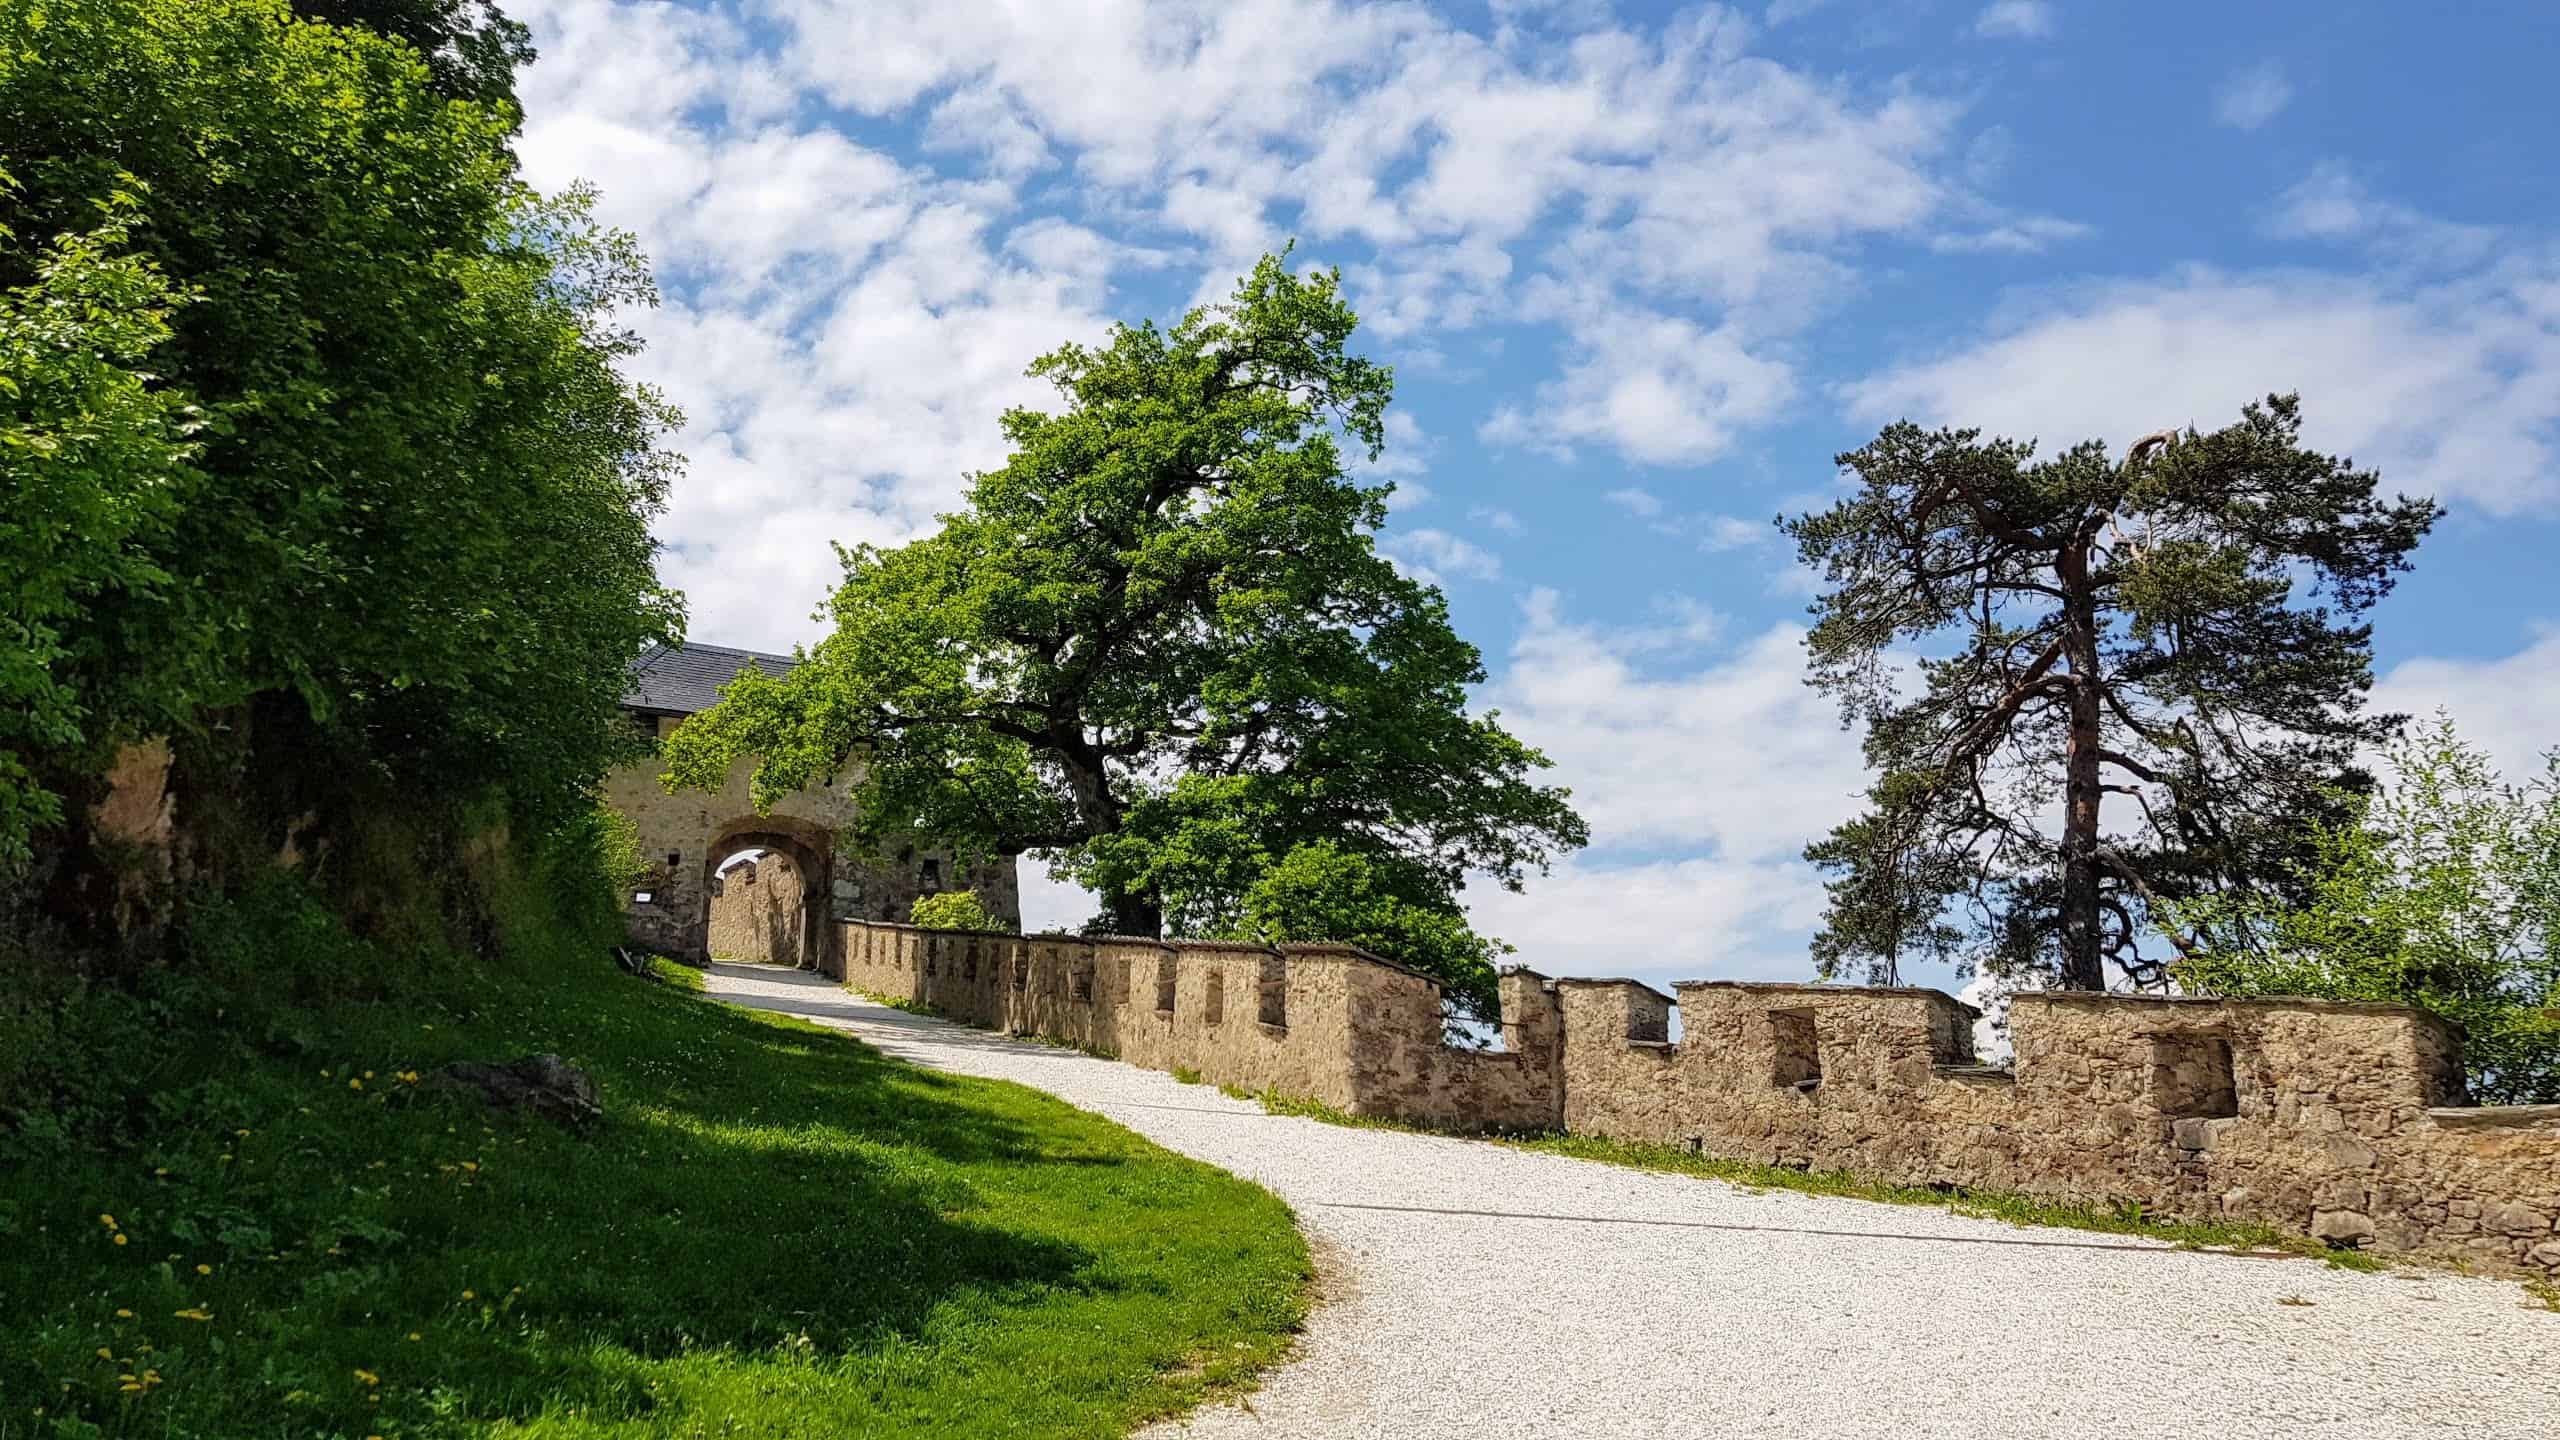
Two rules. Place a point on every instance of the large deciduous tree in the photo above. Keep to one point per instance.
(1159, 642)
(2137, 682)
(2440, 890)
(407, 548)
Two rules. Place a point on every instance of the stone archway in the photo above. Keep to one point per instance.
(795, 932)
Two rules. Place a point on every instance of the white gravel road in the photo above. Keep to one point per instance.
(1478, 1291)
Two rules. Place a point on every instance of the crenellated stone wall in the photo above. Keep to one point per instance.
(2341, 1121)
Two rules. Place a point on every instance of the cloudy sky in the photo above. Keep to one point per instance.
(1641, 270)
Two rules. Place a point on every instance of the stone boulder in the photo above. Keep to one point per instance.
(545, 1084)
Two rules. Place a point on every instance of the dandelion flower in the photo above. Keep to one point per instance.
(120, 1238)
(105, 1354)
(414, 1335)
(194, 1314)
(122, 1314)
(368, 1377)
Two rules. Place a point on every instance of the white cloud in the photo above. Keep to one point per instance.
(1435, 556)
(2015, 19)
(1737, 758)
(2506, 704)
(851, 322)
(1643, 504)
(1658, 921)
(1659, 389)
(2331, 204)
(2451, 387)
(2252, 97)
(2024, 235)
(1501, 520)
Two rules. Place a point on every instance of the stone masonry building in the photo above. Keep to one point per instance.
(802, 884)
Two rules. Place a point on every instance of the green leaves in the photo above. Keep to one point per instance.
(1159, 642)
(373, 477)
(2441, 890)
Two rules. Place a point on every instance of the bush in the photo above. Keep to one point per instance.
(2442, 891)
(952, 910)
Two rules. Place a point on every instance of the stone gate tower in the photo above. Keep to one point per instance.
(688, 838)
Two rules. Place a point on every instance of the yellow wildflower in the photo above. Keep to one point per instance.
(355, 1084)
(105, 1354)
(120, 1238)
(368, 1377)
(194, 1314)
(467, 1295)
(414, 1335)
(124, 1314)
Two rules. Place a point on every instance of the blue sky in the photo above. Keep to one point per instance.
(1642, 270)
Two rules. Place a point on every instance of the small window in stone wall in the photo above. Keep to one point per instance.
(1275, 990)
(2191, 1076)
(1213, 999)
(969, 963)
(932, 876)
(1083, 980)
(1164, 984)
(1022, 970)
(1796, 1051)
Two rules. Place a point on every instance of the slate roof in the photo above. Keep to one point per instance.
(681, 679)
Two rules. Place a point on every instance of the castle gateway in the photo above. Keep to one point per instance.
(722, 879)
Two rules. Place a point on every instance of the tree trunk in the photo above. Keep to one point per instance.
(2083, 967)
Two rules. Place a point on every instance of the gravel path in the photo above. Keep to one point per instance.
(1478, 1291)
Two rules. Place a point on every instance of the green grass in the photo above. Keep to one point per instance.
(776, 1232)
(2545, 1293)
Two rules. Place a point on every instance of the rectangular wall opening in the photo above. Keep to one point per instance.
(2192, 1077)
(1213, 999)
(1164, 983)
(1795, 1050)
(1082, 981)
(1022, 970)
(1275, 990)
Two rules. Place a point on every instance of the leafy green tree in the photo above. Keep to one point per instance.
(92, 455)
(409, 554)
(471, 48)
(2089, 629)
(1321, 891)
(2440, 890)
(1160, 642)
(952, 910)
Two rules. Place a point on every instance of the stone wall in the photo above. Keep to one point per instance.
(1325, 1022)
(2340, 1121)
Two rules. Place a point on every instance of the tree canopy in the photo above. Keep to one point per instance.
(2137, 682)
(2440, 890)
(404, 541)
(1160, 642)
(471, 47)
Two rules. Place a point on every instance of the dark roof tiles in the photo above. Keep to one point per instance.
(682, 679)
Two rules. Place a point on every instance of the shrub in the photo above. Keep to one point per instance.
(953, 910)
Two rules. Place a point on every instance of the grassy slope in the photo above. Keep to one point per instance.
(777, 1232)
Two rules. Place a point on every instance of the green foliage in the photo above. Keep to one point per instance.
(773, 1232)
(2442, 890)
(1160, 643)
(1323, 892)
(2088, 630)
(471, 48)
(91, 457)
(411, 539)
(952, 910)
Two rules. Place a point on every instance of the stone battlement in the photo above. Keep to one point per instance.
(2343, 1121)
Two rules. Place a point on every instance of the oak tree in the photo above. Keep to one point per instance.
(1160, 643)
(2136, 681)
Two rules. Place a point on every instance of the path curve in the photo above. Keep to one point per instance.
(1492, 1292)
